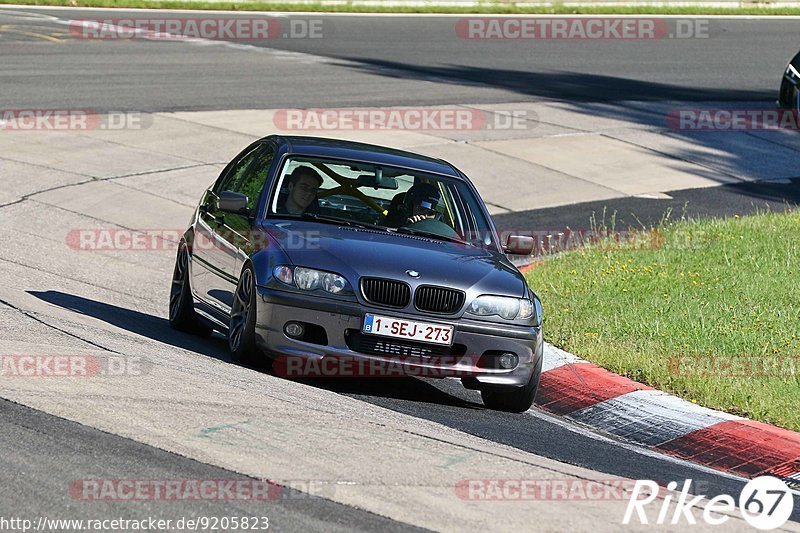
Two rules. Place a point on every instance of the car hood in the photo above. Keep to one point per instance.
(355, 252)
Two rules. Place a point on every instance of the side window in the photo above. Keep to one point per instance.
(223, 184)
(250, 174)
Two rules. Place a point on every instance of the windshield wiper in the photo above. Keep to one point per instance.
(421, 233)
(325, 218)
(342, 221)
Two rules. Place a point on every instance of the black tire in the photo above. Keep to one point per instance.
(181, 309)
(516, 400)
(242, 327)
(786, 95)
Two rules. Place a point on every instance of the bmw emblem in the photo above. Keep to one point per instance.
(412, 273)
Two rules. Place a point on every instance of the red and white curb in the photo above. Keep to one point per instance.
(592, 396)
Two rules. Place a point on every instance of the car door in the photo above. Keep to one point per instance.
(214, 273)
(240, 237)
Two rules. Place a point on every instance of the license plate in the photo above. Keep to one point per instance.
(408, 329)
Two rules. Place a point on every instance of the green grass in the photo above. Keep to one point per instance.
(485, 8)
(721, 290)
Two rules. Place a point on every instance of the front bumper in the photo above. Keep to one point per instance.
(473, 343)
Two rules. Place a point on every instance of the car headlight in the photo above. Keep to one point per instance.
(284, 274)
(502, 306)
(310, 279)
(333, 283)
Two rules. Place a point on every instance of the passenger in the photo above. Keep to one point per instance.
(301, 195)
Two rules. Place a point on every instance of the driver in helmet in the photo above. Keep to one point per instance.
(423, 199)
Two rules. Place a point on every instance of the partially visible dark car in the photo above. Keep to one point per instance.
(319, 249)
(789, 96)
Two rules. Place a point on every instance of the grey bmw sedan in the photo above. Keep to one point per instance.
(321, 257)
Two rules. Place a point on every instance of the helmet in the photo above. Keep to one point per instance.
(425, 196)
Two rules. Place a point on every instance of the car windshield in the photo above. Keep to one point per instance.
(383, 197)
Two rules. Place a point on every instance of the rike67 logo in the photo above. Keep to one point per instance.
(765, 503)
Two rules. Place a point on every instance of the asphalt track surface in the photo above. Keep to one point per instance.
(362, 60)
(39, 446)
(383, 60)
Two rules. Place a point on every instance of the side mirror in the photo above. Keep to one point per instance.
(233, 202)
(519, 245)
